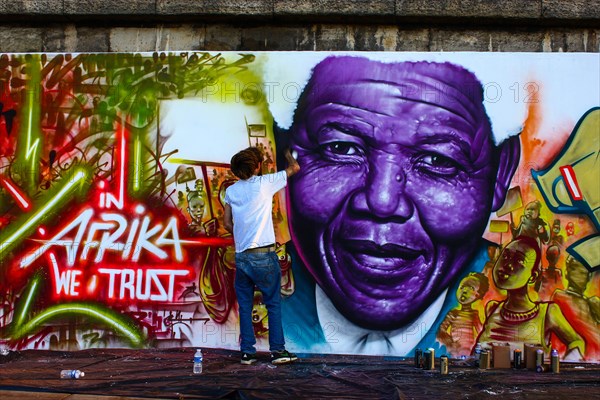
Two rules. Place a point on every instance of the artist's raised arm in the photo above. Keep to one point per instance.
(293, 166)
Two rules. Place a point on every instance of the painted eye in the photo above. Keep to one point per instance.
(342, 152)
(436, 164)
(341, 148)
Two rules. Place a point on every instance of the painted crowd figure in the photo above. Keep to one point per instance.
(581, 311)
(531, 224)
(459, 330)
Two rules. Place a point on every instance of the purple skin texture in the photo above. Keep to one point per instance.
(399, 174)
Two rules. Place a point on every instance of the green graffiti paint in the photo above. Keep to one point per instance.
(111, 319)
(30, 134)
(23, 306)
(51, 204)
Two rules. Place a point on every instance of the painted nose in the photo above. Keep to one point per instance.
(385, 192)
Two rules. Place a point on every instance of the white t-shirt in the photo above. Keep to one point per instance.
(251, 202)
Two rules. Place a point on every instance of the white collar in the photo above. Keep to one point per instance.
(344, 337)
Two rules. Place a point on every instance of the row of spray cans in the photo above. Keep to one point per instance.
(554, 361)
(426, 360)
(482, 359)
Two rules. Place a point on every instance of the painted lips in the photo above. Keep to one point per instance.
(387, 257)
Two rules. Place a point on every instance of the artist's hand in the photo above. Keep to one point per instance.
(293, 166)
(288, 156)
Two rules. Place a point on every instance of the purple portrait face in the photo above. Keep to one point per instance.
(396, 184)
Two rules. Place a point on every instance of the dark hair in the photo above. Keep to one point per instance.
(245, 162)
(484, 283)
(257, 153)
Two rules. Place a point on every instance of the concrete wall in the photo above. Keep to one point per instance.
(376, 25)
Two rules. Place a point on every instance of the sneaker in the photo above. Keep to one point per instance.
(248, 359)
(282, 357)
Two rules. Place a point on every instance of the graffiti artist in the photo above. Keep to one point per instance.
(248, 215)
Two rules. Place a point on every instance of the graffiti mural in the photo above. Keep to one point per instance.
(444, 200)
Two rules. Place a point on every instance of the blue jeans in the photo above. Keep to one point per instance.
(263, 271)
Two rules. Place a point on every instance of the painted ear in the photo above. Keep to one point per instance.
(508, 161)
(534, 276)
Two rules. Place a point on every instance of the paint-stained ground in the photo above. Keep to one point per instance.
(167, 374)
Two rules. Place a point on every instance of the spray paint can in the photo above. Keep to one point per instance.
(539, 360)
(517, 358)
(429, 363)
(419, 358)
(484, 359)
(554, 361)
(432, 364)
(444, 365)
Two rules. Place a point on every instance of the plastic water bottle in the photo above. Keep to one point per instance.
(198, 362)
(71, 374)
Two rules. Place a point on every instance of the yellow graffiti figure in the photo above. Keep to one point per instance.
(518, 319)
